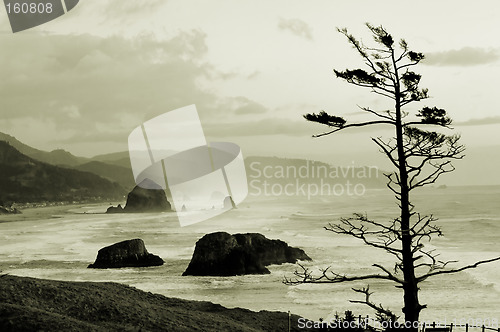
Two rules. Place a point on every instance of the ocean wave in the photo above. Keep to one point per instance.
(314, 216)
(487, 276)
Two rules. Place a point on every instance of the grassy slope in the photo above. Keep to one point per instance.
(28, 304)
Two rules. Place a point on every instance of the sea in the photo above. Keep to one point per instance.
(60, 245)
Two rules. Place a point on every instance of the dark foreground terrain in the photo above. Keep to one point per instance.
(28, 304)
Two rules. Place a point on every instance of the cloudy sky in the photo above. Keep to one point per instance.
(84, 81)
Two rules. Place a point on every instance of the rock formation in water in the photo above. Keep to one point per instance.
(115, 209)
(145, 197)
(8, 209)
(129, 253)
(223, 254)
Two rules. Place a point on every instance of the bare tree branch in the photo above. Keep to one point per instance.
(366, 109)
(378, 308)
(387, 152)
(326, 276)
(476, 264)
(361, 124)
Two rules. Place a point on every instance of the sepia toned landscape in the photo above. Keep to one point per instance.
(186, 166)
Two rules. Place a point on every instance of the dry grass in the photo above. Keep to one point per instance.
(28, 304)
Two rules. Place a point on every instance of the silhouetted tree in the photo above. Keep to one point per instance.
(419, 156)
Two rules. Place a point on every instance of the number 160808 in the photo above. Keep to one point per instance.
(29, 8)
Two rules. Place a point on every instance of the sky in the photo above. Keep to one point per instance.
(85, 80)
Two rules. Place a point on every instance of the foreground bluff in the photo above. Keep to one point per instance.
(223, 254)
(129, 253)
(141, 199)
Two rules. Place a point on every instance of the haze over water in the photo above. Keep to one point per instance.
(61, 246)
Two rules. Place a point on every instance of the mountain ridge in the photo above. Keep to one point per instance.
(55, 157)
(25, 179)
(116, 167)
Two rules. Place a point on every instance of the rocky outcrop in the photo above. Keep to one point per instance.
(145, 197)
(115, 209)
(147, 200)
(8, 210)
(223, 254)
(129, 253)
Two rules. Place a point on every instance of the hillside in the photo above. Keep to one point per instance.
(116, 158)
(115, 173)
(281, 170)
(115, 167)
(28, 304)
(55, 157)
(24, 179)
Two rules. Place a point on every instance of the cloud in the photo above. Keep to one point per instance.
(83, 88)
(83, 82)
(243, 105)
(128, 9)
(467, 56)
(71, 111)
(104, 78)
(479, 121)
(297, 27)
(253, 75)
(267, 126)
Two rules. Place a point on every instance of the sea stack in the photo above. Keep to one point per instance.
(223, 254)
(145, 197)
(129, 253)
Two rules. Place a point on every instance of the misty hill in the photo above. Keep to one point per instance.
(261, 171)
(106, 166)
(279, 170)
(55, 157)
(24, 179)
(116, 158)
(115, 173)
(58, 157)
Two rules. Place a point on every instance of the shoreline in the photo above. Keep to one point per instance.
(62, 247)
(48, 212)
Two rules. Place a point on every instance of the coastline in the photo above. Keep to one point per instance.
(38, 212)
(61, 248)
(50, 212)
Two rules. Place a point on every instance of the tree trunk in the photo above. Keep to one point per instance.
(412, 306)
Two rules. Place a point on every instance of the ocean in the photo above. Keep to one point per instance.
(61, 245)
